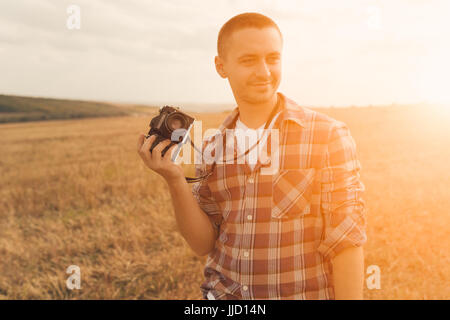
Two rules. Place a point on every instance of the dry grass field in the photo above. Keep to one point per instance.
(75, 192)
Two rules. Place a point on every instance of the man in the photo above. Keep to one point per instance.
(295, 234)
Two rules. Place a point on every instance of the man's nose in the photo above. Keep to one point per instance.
(262, 70)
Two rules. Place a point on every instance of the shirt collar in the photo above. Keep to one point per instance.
(289, 111)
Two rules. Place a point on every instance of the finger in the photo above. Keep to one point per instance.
(144, 151)
(148, 143)
(168, 155)
(140, 142)
(157, 155)
(156, 152)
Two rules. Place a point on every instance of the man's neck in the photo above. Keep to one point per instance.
(256, 115)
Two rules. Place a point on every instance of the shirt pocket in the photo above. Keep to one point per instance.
(291, 193)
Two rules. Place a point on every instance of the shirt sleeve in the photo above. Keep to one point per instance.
(206, 201)
(341, 194)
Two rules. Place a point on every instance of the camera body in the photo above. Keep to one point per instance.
(171, 124)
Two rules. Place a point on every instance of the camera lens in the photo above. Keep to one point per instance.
(175, 121)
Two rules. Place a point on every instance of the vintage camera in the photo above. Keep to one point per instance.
(171, 124)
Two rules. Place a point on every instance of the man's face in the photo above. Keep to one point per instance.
(252, 64)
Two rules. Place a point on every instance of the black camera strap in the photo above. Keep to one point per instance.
(266, 126)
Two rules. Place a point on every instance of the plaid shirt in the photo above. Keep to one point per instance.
(277, 233)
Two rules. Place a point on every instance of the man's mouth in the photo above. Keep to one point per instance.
(261, 84)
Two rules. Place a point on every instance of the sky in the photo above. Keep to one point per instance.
(336, 53)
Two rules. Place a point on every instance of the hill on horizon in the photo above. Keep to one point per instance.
(21, 109)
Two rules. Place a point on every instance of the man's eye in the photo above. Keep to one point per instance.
(247, 60)
(274, 60)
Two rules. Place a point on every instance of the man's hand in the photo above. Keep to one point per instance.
(192, 221)
(153, 160)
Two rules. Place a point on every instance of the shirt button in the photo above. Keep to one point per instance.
(245, 288)
(246, 254)
(249, 217)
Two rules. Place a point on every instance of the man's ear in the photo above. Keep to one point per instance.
(219, 67)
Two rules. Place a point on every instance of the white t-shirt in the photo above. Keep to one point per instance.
(246, 138)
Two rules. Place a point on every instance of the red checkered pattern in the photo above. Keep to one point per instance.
(278, 232)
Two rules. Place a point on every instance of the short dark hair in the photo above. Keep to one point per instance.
(242, 21)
